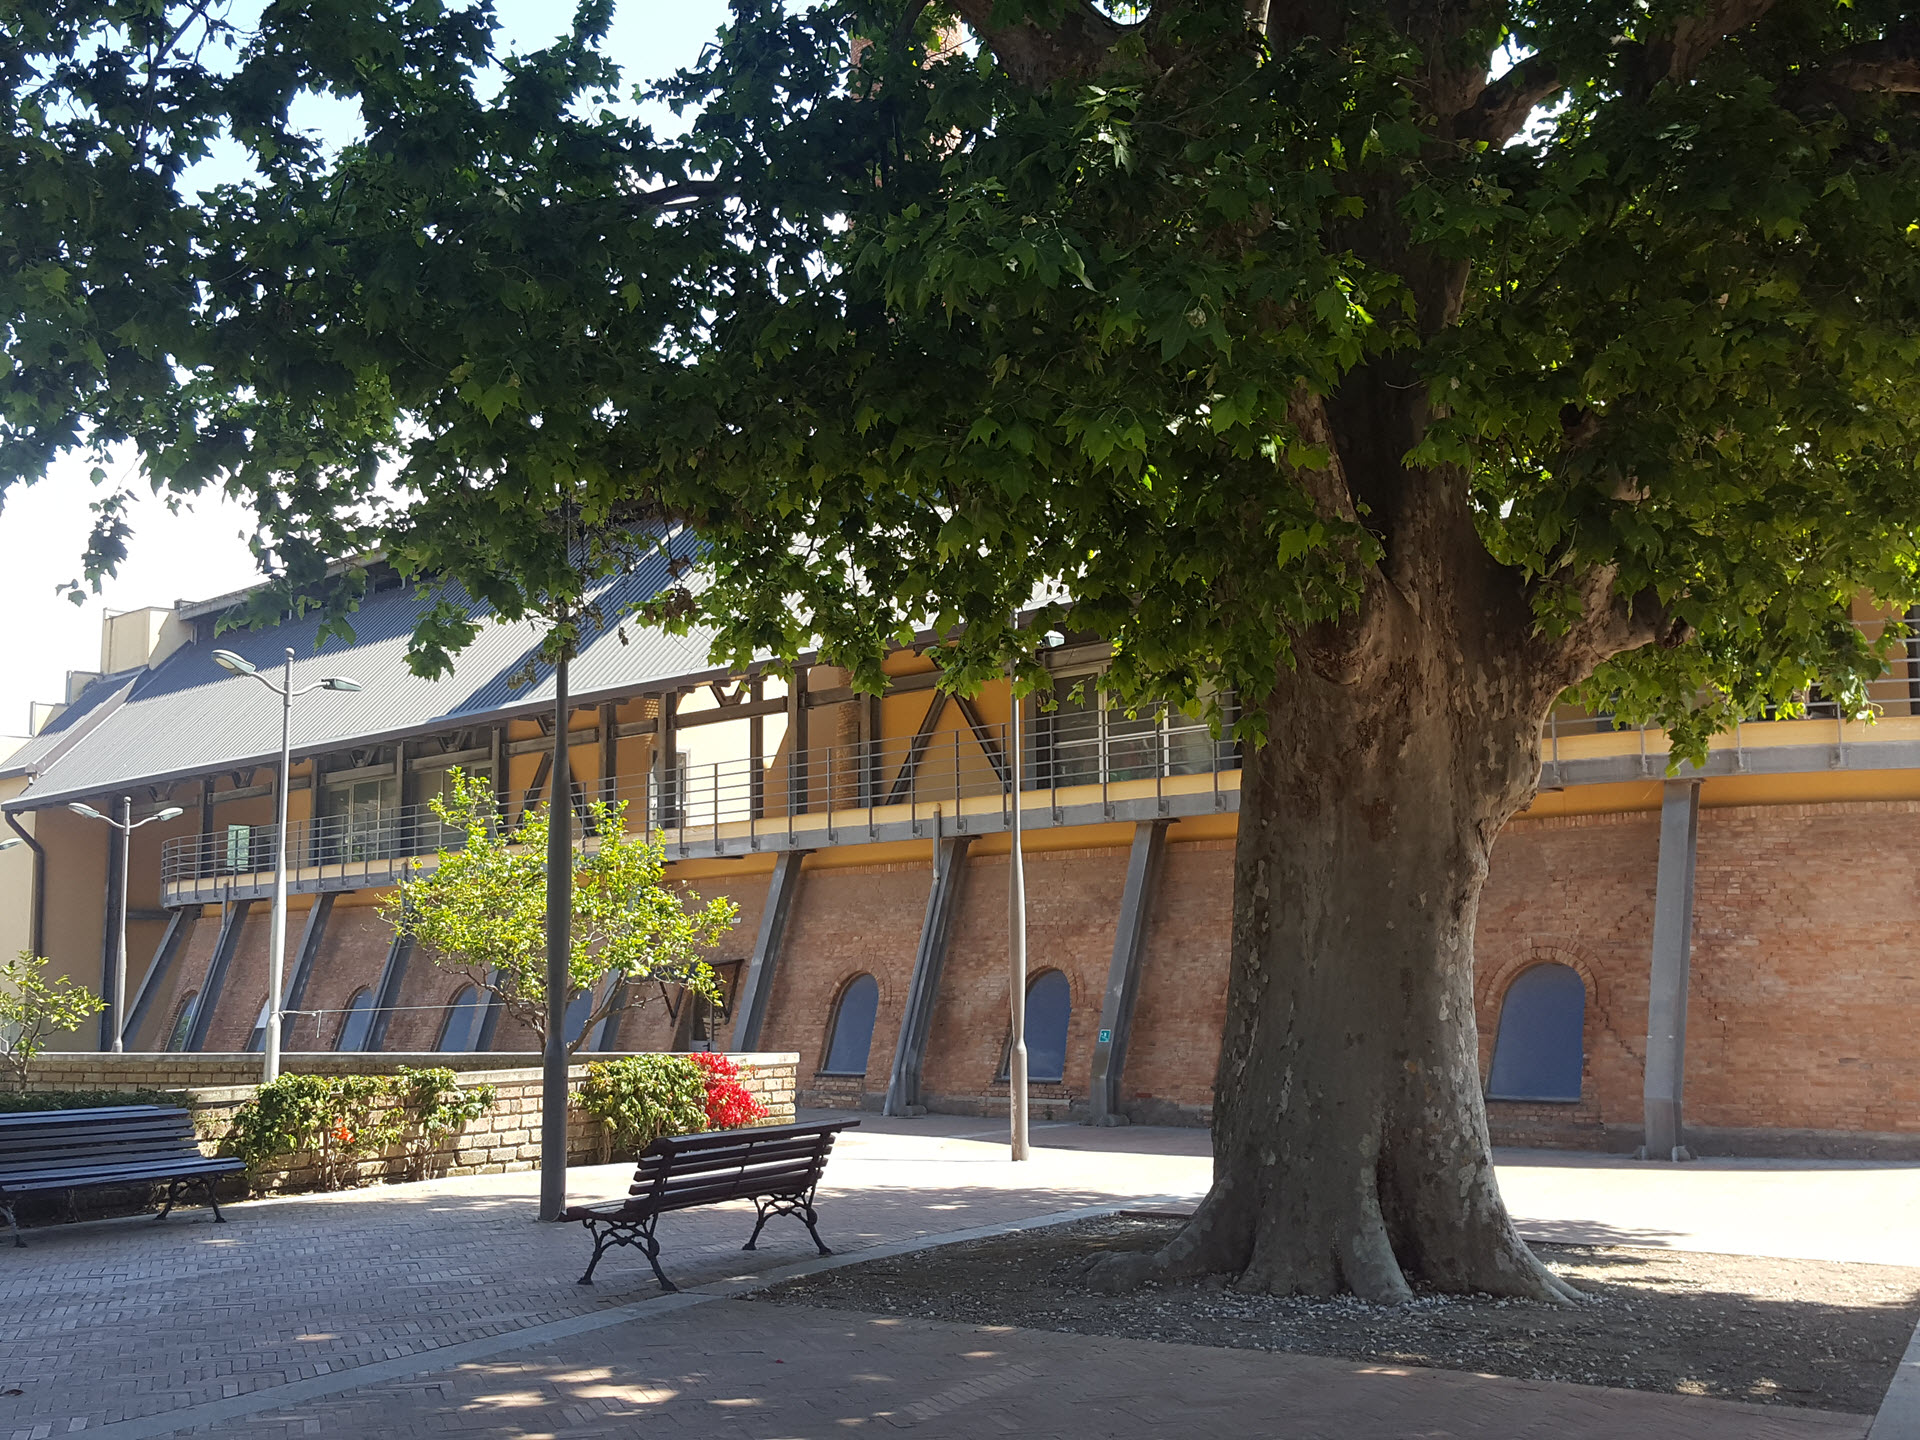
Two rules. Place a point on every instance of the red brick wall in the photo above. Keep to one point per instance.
(1805, 992)
(1577, 891)
(1181, 1006)
(1073, 903)
(353, 952)
(846, 921)
(1805, 1002)
(245, 986)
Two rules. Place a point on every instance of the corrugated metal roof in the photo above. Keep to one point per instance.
(66, 729)
(187, 716)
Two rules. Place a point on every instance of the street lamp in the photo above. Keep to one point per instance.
(123, 821)
(277, 938)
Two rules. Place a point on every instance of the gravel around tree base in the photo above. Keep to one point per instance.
(1774, 1332)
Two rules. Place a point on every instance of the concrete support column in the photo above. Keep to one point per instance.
(949, 873)
(311, 939)
(392, 977)
(750, 1005)
(1671, 968)
(1123, 973)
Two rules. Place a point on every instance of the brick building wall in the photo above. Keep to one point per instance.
(1806, 972)
(1805, 983)
(1073, 905)
(1181, 1006)
(1577, 891)
(1805, 976)
(847, 921)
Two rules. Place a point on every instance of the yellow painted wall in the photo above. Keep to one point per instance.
(16, 873)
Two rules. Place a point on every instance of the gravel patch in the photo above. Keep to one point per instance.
(1771, 1332)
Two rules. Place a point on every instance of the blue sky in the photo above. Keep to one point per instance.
(202, 553)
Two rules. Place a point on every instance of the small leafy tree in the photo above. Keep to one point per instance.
(482, 911)
(34, 1007)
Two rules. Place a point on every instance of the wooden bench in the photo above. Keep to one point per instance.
(70, 1150)
(775, 1166)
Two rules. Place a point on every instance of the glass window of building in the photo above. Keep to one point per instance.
(1049, 1006)
(358, 1024)
(1537, 1051)
(465, 1012)
(850, 1037)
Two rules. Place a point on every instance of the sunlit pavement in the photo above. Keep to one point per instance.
(444, 1307)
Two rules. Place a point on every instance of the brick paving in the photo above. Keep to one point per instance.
(443, 1308)
(732, 1370)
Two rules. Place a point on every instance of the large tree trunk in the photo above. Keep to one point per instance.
(1350, 1137)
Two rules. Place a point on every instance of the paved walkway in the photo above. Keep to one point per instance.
(443, 1308)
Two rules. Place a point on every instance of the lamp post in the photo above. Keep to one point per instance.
(1017, 935)
(277, 937)
(123, 821)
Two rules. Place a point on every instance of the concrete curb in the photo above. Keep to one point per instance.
(446, 1357)
(1899, 1417)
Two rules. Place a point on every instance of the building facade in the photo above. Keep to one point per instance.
(1723, 958)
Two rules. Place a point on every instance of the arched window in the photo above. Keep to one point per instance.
(851, 1035)
(258, 1040)
(183, 1022)
(1049, 1003)
(1537, 1052)
(358, 1025)
(464, 1013)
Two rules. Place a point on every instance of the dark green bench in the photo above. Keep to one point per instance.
(775, 1166)
(68, 1150)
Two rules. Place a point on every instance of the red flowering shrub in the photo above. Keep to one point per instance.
(729, 1106)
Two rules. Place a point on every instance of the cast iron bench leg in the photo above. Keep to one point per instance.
(600, 1243)
(808, 1217)
(6, 1208)
(207, 1182)
(605, 1235)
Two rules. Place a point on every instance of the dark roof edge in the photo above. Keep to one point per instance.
(219, 604)
(82, 727)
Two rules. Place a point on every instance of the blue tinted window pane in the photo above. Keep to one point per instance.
(578, 1010)
(462, 1030)
(1537, 1051)
(1048, 1000)
(852, 1034)
(359, 1022)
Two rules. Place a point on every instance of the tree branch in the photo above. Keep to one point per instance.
(1503, 107)
(1694, 37)
(1034, 58)
(1890, 66)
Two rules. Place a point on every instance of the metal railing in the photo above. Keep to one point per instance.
(903, 779)
(1895, 693)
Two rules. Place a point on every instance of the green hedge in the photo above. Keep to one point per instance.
(14, 1103)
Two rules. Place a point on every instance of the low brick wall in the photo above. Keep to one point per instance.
(506, 1138)
(91, 1070)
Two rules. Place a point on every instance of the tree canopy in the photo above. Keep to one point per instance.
(1392, 367)
(938, 306)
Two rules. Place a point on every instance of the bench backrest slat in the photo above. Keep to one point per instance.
(42, 1142)
(681, 1170)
